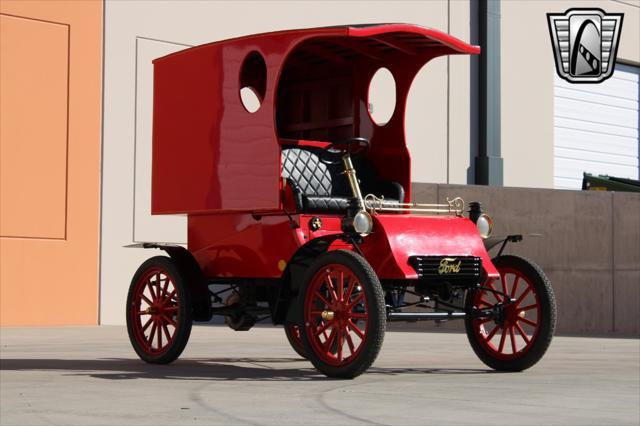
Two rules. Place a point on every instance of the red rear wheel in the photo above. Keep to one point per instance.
(292, 332)
(343, 314)
(522, 334)
(158, 311)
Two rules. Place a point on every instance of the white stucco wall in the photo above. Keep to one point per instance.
(528, 71)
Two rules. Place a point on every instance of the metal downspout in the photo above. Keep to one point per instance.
(488, 162)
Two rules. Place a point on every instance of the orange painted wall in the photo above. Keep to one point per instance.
(50, 124)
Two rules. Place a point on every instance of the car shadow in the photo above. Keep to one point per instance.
(221, 369)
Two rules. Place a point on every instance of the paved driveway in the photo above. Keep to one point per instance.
(91, 376)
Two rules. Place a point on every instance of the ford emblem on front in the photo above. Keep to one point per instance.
(449, 265)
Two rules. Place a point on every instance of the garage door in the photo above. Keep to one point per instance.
(596, 128)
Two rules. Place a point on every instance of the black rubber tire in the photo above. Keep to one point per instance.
(377, 314)
(548, 315)
(295, 342)
(185, 313)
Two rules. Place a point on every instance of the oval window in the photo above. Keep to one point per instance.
(253, 81)
(250, 100)
(382, 96)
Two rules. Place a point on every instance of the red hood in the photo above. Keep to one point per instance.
(397, 237)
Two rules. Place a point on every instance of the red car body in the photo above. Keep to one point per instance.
(220, 164)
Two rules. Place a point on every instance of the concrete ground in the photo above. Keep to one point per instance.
(87, 376)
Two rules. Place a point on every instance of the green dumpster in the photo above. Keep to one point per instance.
(609, 183)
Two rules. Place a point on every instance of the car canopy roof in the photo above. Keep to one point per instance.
(210, 154)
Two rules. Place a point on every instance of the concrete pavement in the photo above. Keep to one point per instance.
(87, 376)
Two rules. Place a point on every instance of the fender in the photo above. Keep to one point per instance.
(491, 242)
(190, 269)
(397, 237)
(288, 304)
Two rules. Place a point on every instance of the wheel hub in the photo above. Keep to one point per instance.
(507, 314)
(337, 313)
(327, 315)
(512, 314)
(155, 309)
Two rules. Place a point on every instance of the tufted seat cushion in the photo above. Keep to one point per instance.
(307, 171)
(326, 204)
(312, 182)
(316, 188)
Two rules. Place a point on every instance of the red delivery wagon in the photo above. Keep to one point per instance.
(301, 211)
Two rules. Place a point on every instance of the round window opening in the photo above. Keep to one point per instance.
(382, 96)
(253, 81)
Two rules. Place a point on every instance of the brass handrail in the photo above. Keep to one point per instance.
(377, 204)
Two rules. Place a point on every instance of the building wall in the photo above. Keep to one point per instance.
(589, 248)
(50, 102)
(527, 72)
(440, 123)
(51, 152)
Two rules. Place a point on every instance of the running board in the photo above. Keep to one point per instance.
(424, 316)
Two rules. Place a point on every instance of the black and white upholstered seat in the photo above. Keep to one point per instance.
(318, 187)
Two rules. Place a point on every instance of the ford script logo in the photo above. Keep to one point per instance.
(449, 265)
(585, 43)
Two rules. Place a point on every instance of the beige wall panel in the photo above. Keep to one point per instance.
(460, 99)
(126, 127)
(527, 83)
(33, 127)
(167, 228)
(427, 132)
(626, 249)
(629, 48)
(51, 107)
(527, 71)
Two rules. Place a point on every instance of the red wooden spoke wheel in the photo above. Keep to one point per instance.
(292, 331)
(336, 314)
(522, 332)
(158, 311)
(343, 314)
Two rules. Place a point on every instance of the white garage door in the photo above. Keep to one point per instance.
(596, 128)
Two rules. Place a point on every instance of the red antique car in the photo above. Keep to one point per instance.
(300, 211)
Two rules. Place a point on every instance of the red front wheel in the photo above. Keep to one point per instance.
(526, 316)
(343, 314)
(159, 314)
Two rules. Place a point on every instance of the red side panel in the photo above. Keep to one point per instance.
(397, 237)
(187, 108)
(242, 246)
(209, 152)
(239, 245)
